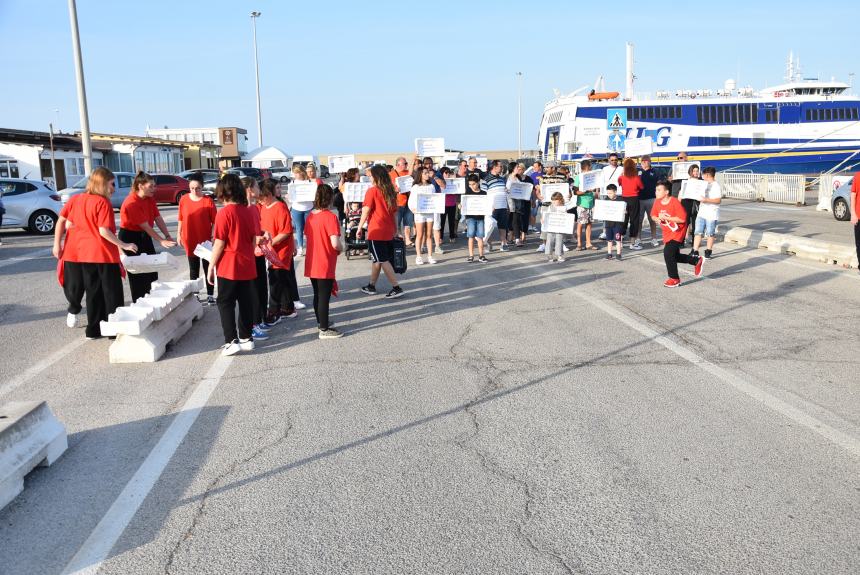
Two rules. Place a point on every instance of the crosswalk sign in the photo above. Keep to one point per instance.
(616, 119)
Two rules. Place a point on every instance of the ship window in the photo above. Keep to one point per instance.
(637, 113)
(725, 140)
(853, 113)
(662, 111)
(709, 114)
(699, 114)
(733, 113)
(677, 111)
(828, 114)
(758, 139)
(720, 114)
(808, 115)
(841, 113)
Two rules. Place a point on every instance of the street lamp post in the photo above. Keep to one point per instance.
(519, 115)
(254, 16)
(82, 91)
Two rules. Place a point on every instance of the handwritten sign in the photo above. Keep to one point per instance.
(429, 203)
(433, 147)
(547, 190)
(521, 190)
(681, 170)
(340, 164)
(404, 184)
(558, 223)
(355, 191)
(302, 191)
(693, 189)
(638, 147)
(590, 180)
(609, 210)
(455, 186)
(476, 205)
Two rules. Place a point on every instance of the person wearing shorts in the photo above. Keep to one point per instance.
(584, 211)
(380, 205)
(709, 213)
(475, 224)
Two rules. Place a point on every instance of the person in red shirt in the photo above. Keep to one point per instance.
(380, 205)
(90, 254)
(672, 217)
(235, 235)
(196, 219)
(276, 222)
(631, 184)
(324, 243)
(137, 218)
(405, 217)
(855, 211)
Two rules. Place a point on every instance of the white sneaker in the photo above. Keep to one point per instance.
(231, 348)
(299, 305)
(438, 250)
(300, 251)
(635, 246)
(602, 236)
(246, 344)
(431, 260)
(655, 243)
(419, 261)
(503, 247)
(541, 248)
(564, 248)
(71, 320)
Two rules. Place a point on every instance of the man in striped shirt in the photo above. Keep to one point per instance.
(495, 186)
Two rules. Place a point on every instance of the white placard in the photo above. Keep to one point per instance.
(521, 190)
(693, 189)
(547, 190)
(558, 223)
(634, 147)
(590, 180)
(429, 203)
(404, 184)
(302, 191)
(340, 164)
(355, 191)
(680, 170)
(476, 205)
(433, 147)
(482, 163)
(455, 186)
(610, 210)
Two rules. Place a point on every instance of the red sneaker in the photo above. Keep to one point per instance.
(671, 282)
(697, 271)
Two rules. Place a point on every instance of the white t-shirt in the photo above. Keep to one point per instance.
(711, 212)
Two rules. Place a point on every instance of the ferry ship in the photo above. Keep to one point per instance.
(803, 126)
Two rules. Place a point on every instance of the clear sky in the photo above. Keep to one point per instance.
(344, 77)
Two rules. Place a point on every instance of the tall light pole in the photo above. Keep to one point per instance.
(519, 115)
(82, 91)
(254, 16)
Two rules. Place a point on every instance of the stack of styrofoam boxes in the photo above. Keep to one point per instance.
(144, 328)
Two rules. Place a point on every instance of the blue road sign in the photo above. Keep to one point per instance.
(616, 119)
(616, 142)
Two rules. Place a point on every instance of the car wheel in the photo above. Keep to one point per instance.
(179, 196)
(840, 210)
(285, 180)
(42, 222)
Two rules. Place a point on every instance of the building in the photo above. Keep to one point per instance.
(27, 154)
(231, 140)
(267, 157)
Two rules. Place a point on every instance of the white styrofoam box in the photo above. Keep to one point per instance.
(128, 320)
(159, 305)
(204, 251)
(146, 263)
(183, 287)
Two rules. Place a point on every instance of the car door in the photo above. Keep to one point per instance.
(18, 200)
(122, 189)
(165, 189)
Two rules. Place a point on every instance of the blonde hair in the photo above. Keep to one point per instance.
(99, 182)
(299, 170)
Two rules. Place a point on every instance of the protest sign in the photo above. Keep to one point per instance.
(429, 203)
(521, 191)
(355, 191)
(609, 211)
(476, 205)
(634, 147)
(404, 184)
(547, 190)
(558, 223)
(591, 180)
(432, 147)
(693, 189)
(302, 191)
(455, 186)
(340, 164)
(681, 170)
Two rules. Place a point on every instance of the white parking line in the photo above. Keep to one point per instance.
(25, 257)
(89, 558)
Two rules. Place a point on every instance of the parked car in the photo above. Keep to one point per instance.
(202, 171)
(169, 189)
(29, 204)
(209, 182)
(121, 190)
(283, 175)
(839, 201)
(258, 174)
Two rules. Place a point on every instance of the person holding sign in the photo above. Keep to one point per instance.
(709, 213)
(299, 210)
(450, 215)
(554, 240)
(614, 229)
(380, 205)
(631, 184)
(423, 220)
(646, 196)
(691, 205)
(404, 219)
(520, 207)
(495, 186)
(475, 223)
(673, 221)
(585, 208)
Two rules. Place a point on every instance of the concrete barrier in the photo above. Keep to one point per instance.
(145, 329)
(30, 436)
(802, 247)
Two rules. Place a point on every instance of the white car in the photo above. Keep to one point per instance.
(29, 204)
(121, 190)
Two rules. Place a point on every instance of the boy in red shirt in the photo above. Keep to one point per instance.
(672, 218)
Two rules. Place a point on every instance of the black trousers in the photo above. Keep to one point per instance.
(101, 283)
(322, 297)
(450, 216)
(261, 291)
(292, 284)
(692, 208)
(140, 284)
(857, 239)
(194, 272)
(230, 293)
(279, 293)
(672, 255)
(633, 217)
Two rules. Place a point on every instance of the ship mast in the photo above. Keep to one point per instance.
(630, 76)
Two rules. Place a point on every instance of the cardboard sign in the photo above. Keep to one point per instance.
(429, 203)
(558, 223)
(547, 190)
(638, 147)
(475, 205)
(681, 170)
(591, 181)
(433, 147)
(693, 189)
(609, 210)
(521, 190)
(455, 186)
(340, 164)
(302, 191)
(404, 184)
(355, 191)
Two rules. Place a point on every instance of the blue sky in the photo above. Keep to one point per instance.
(343, 77)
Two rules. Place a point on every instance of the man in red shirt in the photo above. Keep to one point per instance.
(672, 217)
(855, 212)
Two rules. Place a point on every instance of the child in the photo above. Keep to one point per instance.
(353, 216)
(614, 230)
(554, 240)
(323, 239)
(475, 224)
(584, 212)
(709, 213)
(673, 220)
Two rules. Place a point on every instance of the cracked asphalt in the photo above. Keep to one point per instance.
(499, 418)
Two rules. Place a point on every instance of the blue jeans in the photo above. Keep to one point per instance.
(474, 228)
(299, 226)
(404, 217)
(706, 227)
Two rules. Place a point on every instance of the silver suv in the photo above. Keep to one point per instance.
(29, 204)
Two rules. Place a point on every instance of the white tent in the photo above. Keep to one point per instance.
(267, 157)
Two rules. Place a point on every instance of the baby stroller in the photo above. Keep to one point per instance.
(354, 246)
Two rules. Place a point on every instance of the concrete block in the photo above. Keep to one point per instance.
(30, 436)
(128, 320)
(800, 246)
(151, 344)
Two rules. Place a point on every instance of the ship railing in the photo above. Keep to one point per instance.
(777, 188)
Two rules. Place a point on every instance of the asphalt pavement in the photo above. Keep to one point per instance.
(517, 416)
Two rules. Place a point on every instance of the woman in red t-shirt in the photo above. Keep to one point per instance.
(196, 219)
(90, 254)
(324, 243)
(631, 184)
(275, 220)
(672, 217)
(380, 205)
(137, 218)
(235, 235)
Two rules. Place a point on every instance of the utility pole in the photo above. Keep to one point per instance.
(254, 16)
(519, 115)
(86, 145)
(53, 171)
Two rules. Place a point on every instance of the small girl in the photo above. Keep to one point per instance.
(554, 240)
(353, 216)
(614, 230)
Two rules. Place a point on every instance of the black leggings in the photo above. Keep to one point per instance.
(692, 209)
(231, 292)
(857, 238)
(279, 293)
(292, 285)
(451, 216)
(673, 255)
(633, 217)
(322, 296)
(194, 272)
(261, 291)
(102, 284)
(140, 284)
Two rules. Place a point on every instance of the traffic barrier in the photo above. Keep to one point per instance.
(802, 247)
(785, 189)
(144, 329)
(30, 436)
(739, 186)
(778, 188)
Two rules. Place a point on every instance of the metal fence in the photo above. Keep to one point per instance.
(778, 188)
(825, 190)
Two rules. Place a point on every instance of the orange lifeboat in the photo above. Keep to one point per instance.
(602, 95)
